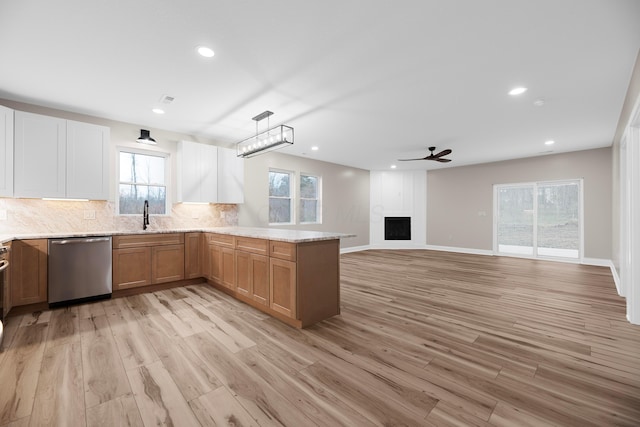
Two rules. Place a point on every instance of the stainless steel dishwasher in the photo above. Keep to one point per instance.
(79, 269)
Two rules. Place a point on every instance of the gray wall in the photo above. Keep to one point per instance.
(456, 196)
(345, 195)
(633, 93)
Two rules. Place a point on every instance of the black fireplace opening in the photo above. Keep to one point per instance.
(397, 228)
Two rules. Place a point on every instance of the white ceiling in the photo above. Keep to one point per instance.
(369, 82)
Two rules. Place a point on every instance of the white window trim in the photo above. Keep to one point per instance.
(292, 197)
(318, 198)
(167, 177)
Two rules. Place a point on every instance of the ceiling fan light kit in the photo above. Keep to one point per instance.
(436, 157)
(262, 142)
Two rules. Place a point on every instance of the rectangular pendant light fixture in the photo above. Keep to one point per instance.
(262, 142)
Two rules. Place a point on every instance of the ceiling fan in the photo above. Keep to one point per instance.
(436, 157)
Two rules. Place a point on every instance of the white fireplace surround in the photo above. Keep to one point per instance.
(398, 194)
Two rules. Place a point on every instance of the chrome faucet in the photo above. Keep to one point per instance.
(145, 215)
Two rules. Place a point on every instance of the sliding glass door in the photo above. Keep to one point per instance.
(542, 219)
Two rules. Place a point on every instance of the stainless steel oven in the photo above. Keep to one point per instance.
(4, 265)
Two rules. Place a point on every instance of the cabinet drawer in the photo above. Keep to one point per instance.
(221, 239)
(282, 250)
(138, 240)
(256, 246)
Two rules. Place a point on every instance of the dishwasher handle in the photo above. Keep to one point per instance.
(74, 241)
(3, 265)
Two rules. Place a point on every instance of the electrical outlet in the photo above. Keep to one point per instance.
(89, 214)
(3, 214)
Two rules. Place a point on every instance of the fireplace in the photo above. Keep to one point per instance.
(397, 228)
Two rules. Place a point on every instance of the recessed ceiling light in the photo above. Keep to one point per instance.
(517, 91)
(315, 148)
(549, 142)
(205, 51)
(158, 111)
(393, 166)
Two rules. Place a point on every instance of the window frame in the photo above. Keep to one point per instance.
(292, 196)
(318, 199)
(167, 177)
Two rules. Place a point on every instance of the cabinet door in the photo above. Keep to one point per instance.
(192, 255)
(197, 177)
(230, 176)
(282, 294)
(214, 261)
(87, 161)
(28, 272)
(7, 302)
(40, 158)
(260, 279)
(252, 276)
(167, 263)
(228, 270)
(6, 152)
(131, 267)
(244, 284)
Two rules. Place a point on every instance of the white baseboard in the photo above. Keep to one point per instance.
(459, 250)
(354, 249)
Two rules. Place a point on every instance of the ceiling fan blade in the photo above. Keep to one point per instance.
(442, 153)
(408, 160)
(442, 160)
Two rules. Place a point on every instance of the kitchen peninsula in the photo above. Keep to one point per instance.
(289, 274)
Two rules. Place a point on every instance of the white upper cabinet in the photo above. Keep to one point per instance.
(209, 174)
(87, 161)
(40, 159)
(230, 176)
(60, 158)
(197, 177)
(6, 152)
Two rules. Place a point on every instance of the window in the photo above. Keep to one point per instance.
(310, 199)
(280, 197)
(539, 219)
(143, 176)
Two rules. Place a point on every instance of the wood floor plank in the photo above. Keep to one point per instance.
(60, 394)
(20, 370)
(133, 345)
(264, 403)
(103, 371)
(158, 398)
(191, 375)
(220, 408)
(119, 412)
(64, 326)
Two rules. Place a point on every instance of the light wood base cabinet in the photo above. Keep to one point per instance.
(283, 293)
(131, 267)
(28, 271)
(146, 259)
(298, 283)
(193, 255)
(252, 276)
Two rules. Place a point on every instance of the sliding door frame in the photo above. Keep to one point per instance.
(535, 185)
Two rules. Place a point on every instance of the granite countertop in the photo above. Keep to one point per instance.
(283, 235)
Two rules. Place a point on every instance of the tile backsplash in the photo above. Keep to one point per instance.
(27, 216)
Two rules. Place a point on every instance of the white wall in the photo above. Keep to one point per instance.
(398, 193)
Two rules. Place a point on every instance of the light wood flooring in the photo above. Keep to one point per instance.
(424, 338)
